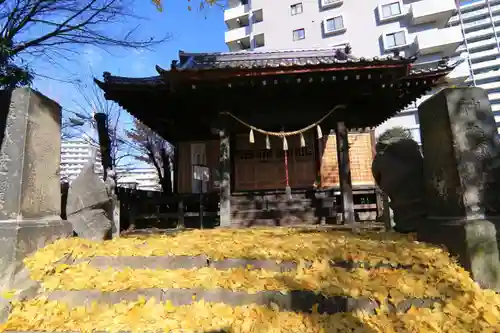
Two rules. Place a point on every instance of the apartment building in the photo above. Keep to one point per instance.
(371, 27)
(76, 153)
(479, 21)
(143, 178)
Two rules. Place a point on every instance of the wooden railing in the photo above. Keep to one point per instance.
(142, 209)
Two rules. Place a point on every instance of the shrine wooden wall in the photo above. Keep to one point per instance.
(360, 155)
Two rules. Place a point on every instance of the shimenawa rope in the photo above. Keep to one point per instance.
(283, 134)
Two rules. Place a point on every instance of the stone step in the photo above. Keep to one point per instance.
(268, 196)
(244, 204)
(273, 218)
(241, 221)
(196, 262)
(296, 301)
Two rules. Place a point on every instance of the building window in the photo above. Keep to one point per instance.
(391, 10)
(259, 41)
(330, 3)
(334, 24)
(395, 39)
(299, 34)
(296, 9)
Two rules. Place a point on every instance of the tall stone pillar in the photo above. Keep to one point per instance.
(30, 190)
(462, 179)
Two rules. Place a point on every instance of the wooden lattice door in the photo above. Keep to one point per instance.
(258, 168)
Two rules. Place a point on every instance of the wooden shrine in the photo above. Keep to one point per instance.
(276, 133)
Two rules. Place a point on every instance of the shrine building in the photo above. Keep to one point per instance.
(285, 137)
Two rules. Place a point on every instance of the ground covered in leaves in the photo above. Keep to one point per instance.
(427, 272)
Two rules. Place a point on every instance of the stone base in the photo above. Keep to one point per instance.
(19, 238)
(474, 242)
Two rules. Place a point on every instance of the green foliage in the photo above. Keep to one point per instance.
(391, 136)
(394, 134)
(11, 75)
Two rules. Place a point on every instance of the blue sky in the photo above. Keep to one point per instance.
(190, 31)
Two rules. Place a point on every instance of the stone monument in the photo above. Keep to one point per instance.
(30, 190)
(462, 179)
(398, 170)
(90, 204)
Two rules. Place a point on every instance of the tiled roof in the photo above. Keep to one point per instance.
(275, 59)
(443, 66)
(146, 81)
(272, 59)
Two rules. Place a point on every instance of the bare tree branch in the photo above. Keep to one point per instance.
(56, 28)
(80, 122)
(202, 4)
(150, 148)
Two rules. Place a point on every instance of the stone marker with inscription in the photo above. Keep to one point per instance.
(462, 179)
(30, 191)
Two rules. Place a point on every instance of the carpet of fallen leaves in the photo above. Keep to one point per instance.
(321, 277)
(467, 308)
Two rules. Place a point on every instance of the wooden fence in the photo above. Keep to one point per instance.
(144, 209)
(141, 209)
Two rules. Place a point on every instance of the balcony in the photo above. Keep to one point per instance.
(444, 41)
(428, 11)
(232, 16)
(476, 14)
(238, 39)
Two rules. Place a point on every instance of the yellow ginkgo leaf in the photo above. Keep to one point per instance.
(9, 294)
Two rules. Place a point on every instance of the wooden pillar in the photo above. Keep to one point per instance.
(176, 169)
(341, 134)
(319, 147)
(101, 120)
(225, 179)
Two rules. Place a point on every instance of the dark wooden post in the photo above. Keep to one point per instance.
(180, 212)
(319, 150)
(225, 179)
(341, 134)
(101, 120)
(176, 169)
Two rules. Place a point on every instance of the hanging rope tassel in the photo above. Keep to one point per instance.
(320, 133)
(288, 189)
(302, 140)
(268, 143)
(251, 138)
(285, 143)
